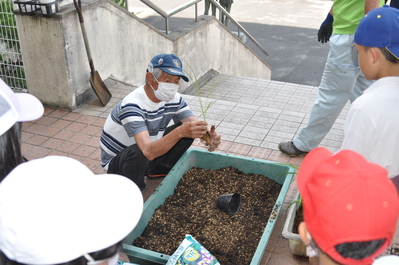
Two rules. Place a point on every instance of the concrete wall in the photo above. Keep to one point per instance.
(56, 64)
(210, 45)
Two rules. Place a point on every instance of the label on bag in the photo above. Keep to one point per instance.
(190, 251)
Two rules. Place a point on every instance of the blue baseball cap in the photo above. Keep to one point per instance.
(380, 28)
(168, 63)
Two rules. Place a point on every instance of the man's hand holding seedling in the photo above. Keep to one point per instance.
(215, 139)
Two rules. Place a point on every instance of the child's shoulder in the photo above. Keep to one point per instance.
(379, 92)
(387, 260)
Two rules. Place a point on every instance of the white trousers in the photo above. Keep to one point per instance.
(342, 81)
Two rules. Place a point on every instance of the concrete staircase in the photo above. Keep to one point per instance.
(130, 44)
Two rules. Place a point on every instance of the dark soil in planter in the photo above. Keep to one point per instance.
(298, 219)
(232, 239)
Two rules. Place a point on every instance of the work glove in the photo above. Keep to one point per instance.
(326, 28)
(394, 3)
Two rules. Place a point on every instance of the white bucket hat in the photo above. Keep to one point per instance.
(16, 107)
(54, 210)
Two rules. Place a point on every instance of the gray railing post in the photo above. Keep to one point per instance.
(167, 25)
(196, 12)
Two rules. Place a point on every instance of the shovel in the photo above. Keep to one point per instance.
(96, 82)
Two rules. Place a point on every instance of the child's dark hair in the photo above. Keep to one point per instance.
(389, 56)
(10, 151)
(359, 250)
(97, 255)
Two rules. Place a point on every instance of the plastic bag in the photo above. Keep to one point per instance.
(193, 253)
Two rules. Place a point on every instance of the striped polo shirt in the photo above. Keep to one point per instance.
(136, 113)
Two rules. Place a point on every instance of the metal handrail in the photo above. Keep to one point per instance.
(240, 28)
(172, 12)
(222, 11)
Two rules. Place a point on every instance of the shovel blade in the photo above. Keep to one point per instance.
(100, 88)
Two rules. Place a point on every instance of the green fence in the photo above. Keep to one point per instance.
(11, 64)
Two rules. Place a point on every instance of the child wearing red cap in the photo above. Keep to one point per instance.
(350, 208)
(372, 125)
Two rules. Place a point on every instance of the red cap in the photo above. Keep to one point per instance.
(347, 199)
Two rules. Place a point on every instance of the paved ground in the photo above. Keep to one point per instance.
(286, 29)
(252, 119)
(248, 126)
(253, 115)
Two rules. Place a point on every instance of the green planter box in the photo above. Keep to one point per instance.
(282, 174)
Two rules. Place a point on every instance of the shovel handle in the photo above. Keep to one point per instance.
(87, 47)
(78, 6)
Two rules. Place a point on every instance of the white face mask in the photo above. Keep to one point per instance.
(165, 91)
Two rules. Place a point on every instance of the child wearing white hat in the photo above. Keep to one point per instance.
(54, 210)
(14, 108)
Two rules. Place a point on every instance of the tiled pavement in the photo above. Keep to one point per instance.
(253, 116)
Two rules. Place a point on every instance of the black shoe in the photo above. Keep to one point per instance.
(290, 149)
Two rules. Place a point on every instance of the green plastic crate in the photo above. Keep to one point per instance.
(281, 173)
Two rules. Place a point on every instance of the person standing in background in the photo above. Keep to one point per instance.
(342, 78)
(226, 4)
(207, 5)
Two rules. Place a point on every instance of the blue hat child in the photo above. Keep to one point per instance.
(380, 28)
(169, 63)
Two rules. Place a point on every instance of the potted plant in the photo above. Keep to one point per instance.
(204, 102)
(294, 210)
(198, 158)
(294, 216)
(205, 105)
